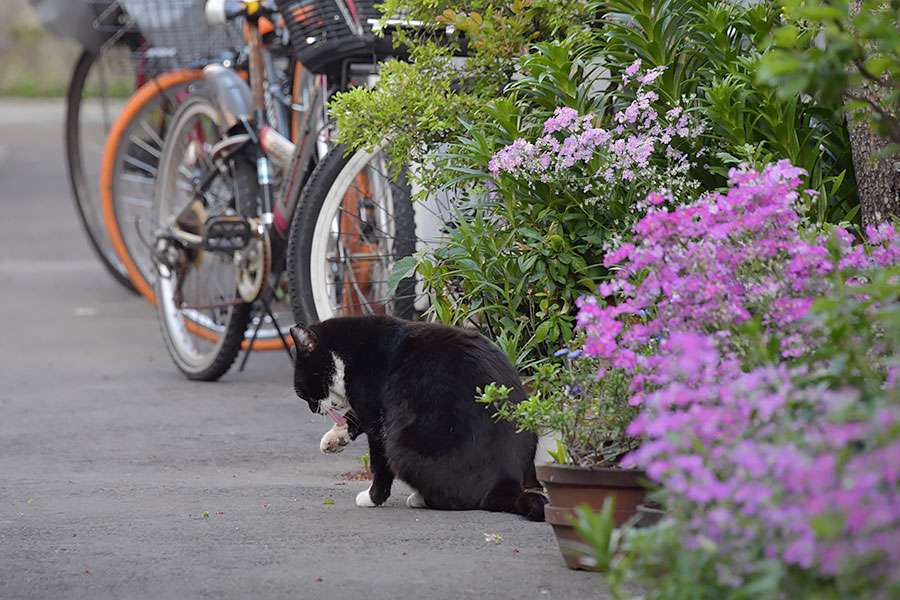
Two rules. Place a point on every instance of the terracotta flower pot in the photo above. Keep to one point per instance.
(569, 486)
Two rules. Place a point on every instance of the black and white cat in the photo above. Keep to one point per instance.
(410, 387)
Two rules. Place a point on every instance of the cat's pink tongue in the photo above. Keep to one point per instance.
(341, 421)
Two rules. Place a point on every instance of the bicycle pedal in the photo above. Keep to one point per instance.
(226, 234)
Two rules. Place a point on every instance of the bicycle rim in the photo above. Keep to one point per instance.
(201, 317)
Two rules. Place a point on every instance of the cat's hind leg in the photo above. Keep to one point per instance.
(416, 500)
(509, 496)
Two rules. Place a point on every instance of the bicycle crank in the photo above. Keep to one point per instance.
(253, 265)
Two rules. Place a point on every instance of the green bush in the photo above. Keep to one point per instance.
(522, 250)
(588, 414)
(451, 77)
(713, 51)
(842, 51)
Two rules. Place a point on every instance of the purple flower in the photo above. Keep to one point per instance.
(633, 68)
(748, 454)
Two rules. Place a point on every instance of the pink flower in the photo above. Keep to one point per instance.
(633, 68)
(745, 452)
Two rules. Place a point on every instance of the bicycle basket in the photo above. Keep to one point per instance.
(177, 34)
(314, 24)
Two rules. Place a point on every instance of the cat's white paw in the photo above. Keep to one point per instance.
(416, 500)
(335, 440)
(363, 500)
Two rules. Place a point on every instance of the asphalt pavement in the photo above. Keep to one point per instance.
(119, 478)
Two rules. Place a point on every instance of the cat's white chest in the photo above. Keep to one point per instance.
(337, 391)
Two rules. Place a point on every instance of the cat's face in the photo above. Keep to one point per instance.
(318, 374)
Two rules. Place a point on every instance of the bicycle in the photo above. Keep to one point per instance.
(116, 62)
(133, 146)
(222, 232)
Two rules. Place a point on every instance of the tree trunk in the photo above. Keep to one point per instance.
(878, 182)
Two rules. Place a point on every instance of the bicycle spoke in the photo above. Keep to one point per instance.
(143, 145)
(153, 135)
(139, 179)
(142, 202)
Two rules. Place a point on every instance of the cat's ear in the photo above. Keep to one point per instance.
(304, 339)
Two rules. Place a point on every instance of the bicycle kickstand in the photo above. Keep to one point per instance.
(281, 336)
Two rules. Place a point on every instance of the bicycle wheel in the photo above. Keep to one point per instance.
(129, 170)
(352, 224)
(97, 92)
(200, 313)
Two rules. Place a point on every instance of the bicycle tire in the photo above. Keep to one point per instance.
(203, 342)
(329, 270)
(87, 203)
(126, 243)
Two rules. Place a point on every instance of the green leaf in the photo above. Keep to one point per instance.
(880, 64)
(820, 13)
(786, 36)
(828, 526)
(426, 268)
(560, 455)
(402, 269)
(442, 309)
(526, 262)
(777, 64)
(540, 334)
(851, 214)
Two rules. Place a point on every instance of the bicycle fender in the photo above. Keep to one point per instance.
(231, 91)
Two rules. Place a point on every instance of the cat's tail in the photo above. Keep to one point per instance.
(507, 496)
(531, 505)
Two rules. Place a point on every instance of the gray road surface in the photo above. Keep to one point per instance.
(109, 458)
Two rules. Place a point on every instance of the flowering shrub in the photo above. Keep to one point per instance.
(587, 161)
(773, 464)
(713, 50)
(517, 261)
(419, 105)
(516, 258)
(739, 265)
(764, 363)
